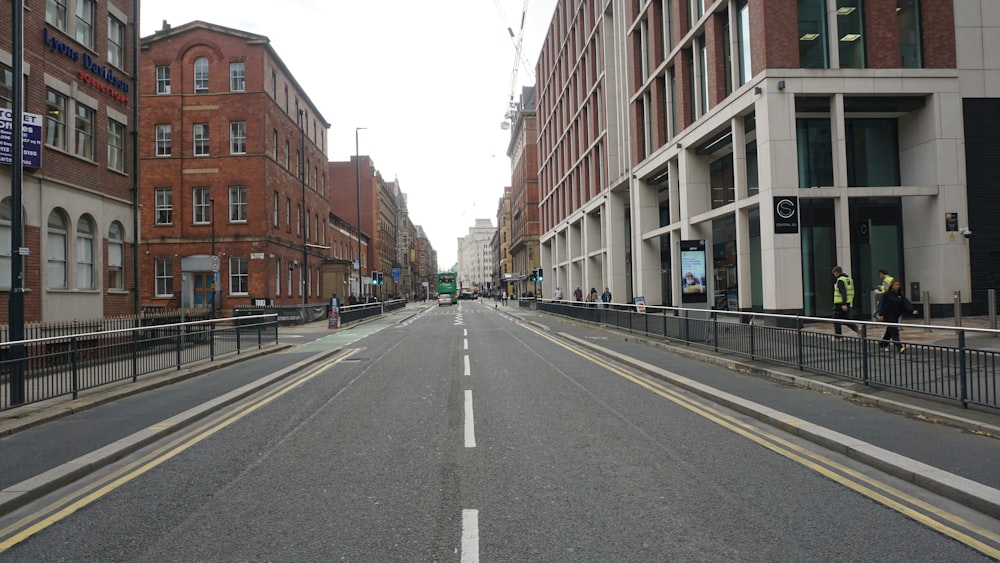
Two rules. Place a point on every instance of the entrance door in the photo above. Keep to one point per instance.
(877, 242)
(203, 289)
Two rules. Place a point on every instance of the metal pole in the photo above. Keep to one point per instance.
(958, 308)
(992, 296)
(15, 305)
(305, 222)
(927, 309)
(357, 193)
(215, 272)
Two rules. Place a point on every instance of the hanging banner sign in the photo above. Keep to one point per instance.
(31, 135)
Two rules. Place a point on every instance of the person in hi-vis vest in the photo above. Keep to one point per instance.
(843, 299)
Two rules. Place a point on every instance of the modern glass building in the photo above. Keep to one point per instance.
(785, 136)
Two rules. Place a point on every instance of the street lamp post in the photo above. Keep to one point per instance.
(303, 222)
(357, 187)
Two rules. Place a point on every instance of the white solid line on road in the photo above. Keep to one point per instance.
(465, 344)
(470, 536)
(465, 332)
(470, 424)
(468, 369)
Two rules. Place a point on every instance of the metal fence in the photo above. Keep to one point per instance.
(958, 371)
(301, 314)
(37, 369)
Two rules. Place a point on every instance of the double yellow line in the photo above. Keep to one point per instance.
(931, 516)
(67, 505)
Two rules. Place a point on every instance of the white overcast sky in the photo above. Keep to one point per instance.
(429, 80)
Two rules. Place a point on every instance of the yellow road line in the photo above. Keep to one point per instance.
(835, 471)
(66, 506)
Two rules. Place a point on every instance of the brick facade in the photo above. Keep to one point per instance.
(281, 170)
(76, 180)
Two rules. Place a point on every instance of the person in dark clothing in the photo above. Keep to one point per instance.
(892, 306)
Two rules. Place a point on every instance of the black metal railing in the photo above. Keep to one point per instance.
(958, 372)
(38, 369)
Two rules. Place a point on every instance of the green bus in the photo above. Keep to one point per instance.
(447, 286)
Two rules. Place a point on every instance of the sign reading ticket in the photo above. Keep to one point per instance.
(31, 133)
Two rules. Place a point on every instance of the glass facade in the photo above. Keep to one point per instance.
(908, 22)
(851, 33)
(812, 34)
(872, 152)
(815, 152)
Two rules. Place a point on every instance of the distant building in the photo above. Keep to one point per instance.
(77, 200)
(524, 226)
(475, 256)
(233, 156)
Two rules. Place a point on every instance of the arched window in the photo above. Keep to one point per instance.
(6, 220)
(116, 256)
(85, 253)
(56, 250)
(200, 75)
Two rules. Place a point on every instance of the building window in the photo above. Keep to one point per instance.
(55, 120)
(116, 42)
(116, 256)
(200, 75)
(163, 140)
(703, 79)
(162, 79)
(277, 278)
(55, 13)
(239, 277)
(274, 144)
(237, 204)
(85, 254)
(276, 200)
(201, 206)
(722, 179)
(85, 22)
(908, 23)
(812, 34)
(6, 221)
(238, 137)
(6, 87)
(850, 33)
(237, 77)
(289, 284)
(743, 35)
(288, 213)
(815, 152)
(872, 152)
(56, 250)
(750, 136)
(163, 272)
(288, 153)
(274, 86)
(116, 146)
(164, 206)
(201, 139)
(84, 132)
(298, 219)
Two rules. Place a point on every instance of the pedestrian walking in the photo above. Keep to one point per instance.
(892, 306)
(843, 299)
(605, 297)
(558, 294)
(577, 294)
(592, 296)
(885, 280)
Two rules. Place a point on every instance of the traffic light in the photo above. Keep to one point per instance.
(375, 278)
(381, 278)
(534, 276)
(539, 276)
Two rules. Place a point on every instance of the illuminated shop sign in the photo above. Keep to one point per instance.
(98, 76)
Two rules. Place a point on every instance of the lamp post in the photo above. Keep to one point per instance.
(215, 269)
(303, 222)
(357, 187)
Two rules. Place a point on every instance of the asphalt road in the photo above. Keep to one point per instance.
(463, 433)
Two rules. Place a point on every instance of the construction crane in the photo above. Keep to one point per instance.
(518, 43)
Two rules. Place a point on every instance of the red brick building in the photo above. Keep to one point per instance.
(77, 204)
(347, 179)
(234, 166)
